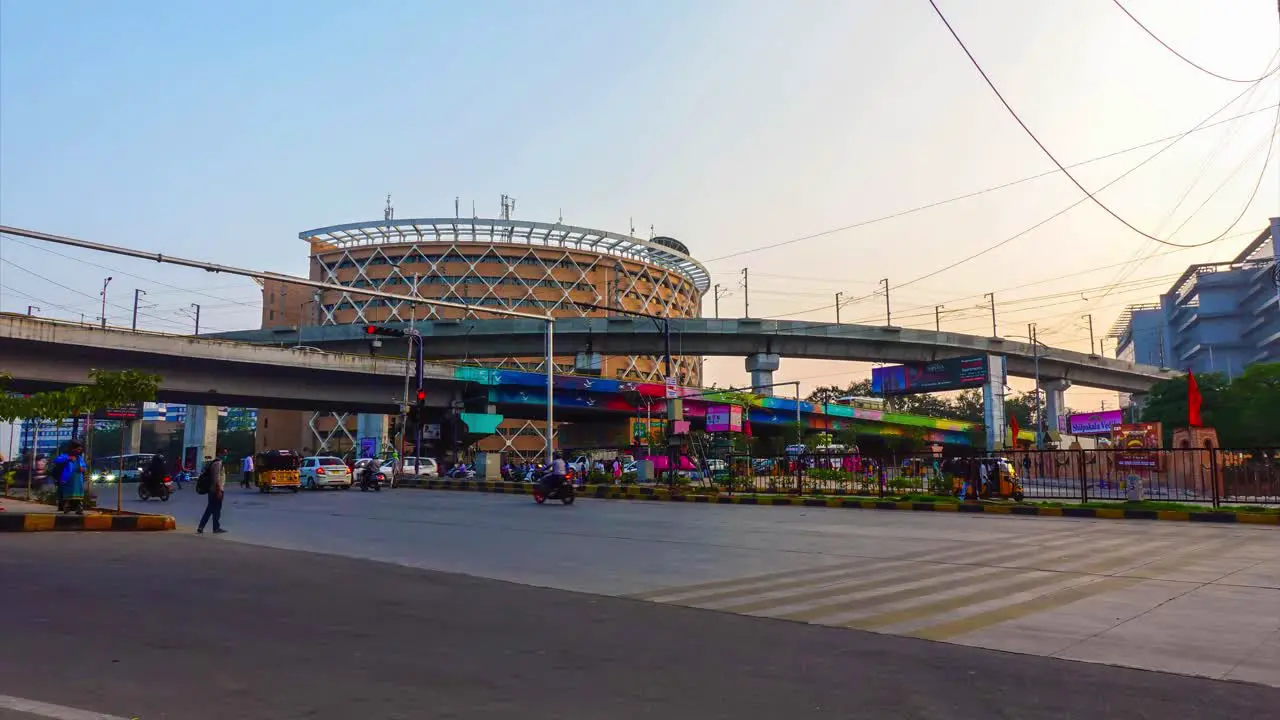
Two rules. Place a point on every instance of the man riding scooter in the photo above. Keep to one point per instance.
(555, 476)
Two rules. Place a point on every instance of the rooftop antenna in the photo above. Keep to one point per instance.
(633, 226)
(560, 219)
(456, 211)
(508, 205)
(651, 233)
(389, 213)
(473, 210)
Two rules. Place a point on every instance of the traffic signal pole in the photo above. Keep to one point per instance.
(551, 413)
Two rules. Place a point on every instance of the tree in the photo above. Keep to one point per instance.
(108, 388)
(1167, 404)
(1254, 401)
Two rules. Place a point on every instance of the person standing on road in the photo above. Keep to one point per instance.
(217, 488)
(68, 471)
(246, 471)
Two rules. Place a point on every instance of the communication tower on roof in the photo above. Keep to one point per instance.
(508, 206)
(389, 213)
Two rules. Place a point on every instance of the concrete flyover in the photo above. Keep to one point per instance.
(42, 354)
(740, 337)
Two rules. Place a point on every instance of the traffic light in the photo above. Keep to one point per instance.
(422, 396)
(379, 330)
(419, 410)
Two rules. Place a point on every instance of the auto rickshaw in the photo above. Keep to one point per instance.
(277, 470)
(1002, 479)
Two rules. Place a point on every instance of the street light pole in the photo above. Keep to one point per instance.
(105, 283)
(33, 307)
(992, 297)
(136, 293)
(888, 317)
(937, 317)
(716, 292)
(197, 308)
(838, 307)
(746, 296)
(1089, 317)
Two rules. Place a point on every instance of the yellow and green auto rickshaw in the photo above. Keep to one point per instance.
(277, 470)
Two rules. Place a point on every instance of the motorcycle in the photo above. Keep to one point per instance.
(371, 478)
(148, 489)
(565, 492)
(460, 472)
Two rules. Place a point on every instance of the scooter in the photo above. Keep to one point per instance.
(370, 479)
(149, 489)
(565, 493)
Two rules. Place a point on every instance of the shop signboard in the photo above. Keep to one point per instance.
(1138, 445)
(724, 418)
(1094, 423)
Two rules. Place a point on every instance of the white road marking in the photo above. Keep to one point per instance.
(57, 712)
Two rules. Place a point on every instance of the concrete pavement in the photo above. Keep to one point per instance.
(1194, 599)
(189, 627)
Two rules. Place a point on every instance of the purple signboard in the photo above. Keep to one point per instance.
(724, 418)
(1095, 423)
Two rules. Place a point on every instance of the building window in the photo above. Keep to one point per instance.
(271, 315)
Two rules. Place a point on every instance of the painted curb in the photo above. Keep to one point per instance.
(42, 522)
(607, 492)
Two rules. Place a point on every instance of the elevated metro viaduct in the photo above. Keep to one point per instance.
(205, 372)
(762, 342)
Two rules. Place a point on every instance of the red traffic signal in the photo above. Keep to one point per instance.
(422, 396)
(379, 330)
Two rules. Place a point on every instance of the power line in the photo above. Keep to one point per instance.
(994, 188)
(1182, 57)
(1088, 194)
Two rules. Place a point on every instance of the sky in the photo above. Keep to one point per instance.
(221, 130)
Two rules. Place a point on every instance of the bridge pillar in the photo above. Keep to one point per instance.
(1054, 402)
(131, 438)
(993, 403)
(762, 366)
(371, 429)
(199, 435)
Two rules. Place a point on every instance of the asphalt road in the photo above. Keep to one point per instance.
(179, 626)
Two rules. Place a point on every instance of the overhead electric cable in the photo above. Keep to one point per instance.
(1184, 58)
(1088, 194)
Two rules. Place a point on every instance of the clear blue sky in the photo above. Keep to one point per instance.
(221, 130)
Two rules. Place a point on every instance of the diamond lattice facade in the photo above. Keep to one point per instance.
(494, 263)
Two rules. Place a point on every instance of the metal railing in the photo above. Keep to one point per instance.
(1243, 476)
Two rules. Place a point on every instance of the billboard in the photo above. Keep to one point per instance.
(1094, 423)
(937, 376)
(132, 411)
(724, 418)
(1138, 443)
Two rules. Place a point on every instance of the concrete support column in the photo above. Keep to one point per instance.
(199, 435)
(371, 429)
(762, 366)
(131, 437)
(1054, 402)
(993, 403)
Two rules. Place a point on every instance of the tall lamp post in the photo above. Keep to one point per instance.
(105, 283)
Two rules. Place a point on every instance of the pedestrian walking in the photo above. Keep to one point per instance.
(246, 471)
(67, 472)
(213, 483)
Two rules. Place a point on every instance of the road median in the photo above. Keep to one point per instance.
(21, 516)
(1116, 511)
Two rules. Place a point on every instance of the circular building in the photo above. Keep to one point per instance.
(532, 267)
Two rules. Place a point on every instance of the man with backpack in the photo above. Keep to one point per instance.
(212, 482)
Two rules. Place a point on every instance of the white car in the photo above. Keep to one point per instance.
(421, 467)
(322, 472)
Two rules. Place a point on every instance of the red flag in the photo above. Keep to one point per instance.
(1193, 401)
(1013, 425)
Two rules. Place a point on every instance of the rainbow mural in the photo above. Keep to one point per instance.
(577, 392)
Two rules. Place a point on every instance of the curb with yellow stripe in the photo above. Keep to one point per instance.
(632, 492)
(39, 522)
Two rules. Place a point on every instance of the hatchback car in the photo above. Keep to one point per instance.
(323, 472)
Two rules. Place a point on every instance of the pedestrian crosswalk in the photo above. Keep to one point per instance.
(945, 594)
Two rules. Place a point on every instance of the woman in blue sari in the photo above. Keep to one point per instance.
(68, 471)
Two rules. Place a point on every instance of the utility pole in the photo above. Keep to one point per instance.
(888, 316)
(746, 296)
(1035, 350)
(197, 308)
(1089, 317)
(136, 292)
(715, 291)
(838, 307)
(937, 317)
(105, 283)
(33, 307)
(992, 298)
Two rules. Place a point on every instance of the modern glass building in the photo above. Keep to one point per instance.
(1217, 317)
